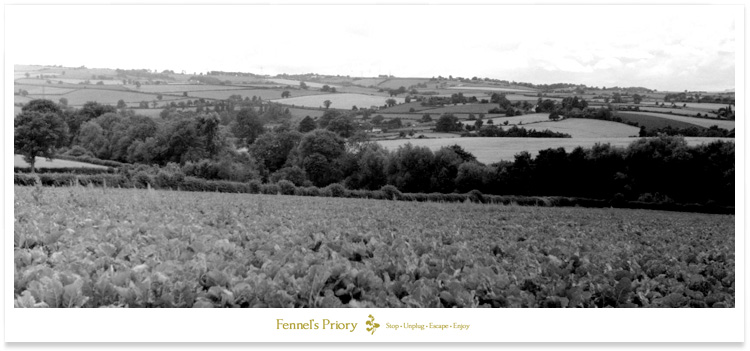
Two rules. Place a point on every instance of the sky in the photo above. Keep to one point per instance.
(673, 47)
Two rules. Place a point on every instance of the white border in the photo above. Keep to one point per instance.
(509, 325)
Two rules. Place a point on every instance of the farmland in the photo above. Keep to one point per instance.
(490, 150)
(467, 108)
(702, 122)
(494, 89)
(339, 101)
(587, 128)
(523, 119)
(652, 122)
(295, 83)
(81, 247)
(42, 162)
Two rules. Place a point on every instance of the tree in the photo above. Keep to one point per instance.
(285, 94)
(302, 85)
(27, 74)
(554, 116)
(121, 104)
(342, 125)
(637, 98)
(38, 134)
(390, 102)
(272, 149)
(478, 124)
(41, 106)
(138, 85)
(247, 125)
(307, 124)
(426, 118)
(447, 123)
(326, 88)
(159, 96)
(327, 103)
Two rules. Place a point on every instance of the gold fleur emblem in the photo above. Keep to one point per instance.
(372, 325)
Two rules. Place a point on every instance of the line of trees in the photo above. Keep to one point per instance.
(329, 150)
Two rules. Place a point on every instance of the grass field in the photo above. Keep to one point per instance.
(493, 89)
(180, 88)
(47, 90)
(490, 150)
(42, 162)
(405, 107)
(679, 111)
(651, 122)
(369, 81)
(395, 83)
(702, 122)
(461, 108)
(265, 94)
(80, 247)
(587, 128)
(295, 83)
(82, 96)
(524, 119)
(339, 101)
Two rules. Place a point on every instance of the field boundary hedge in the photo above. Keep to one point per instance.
(388, 192)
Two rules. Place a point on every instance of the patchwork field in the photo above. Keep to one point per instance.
(702, 122)
(587, 128)
(490, 150)
(80, 247)
(679, 111)
(339, 101)
(651, 122)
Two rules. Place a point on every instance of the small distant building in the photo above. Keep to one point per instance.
(376, 130)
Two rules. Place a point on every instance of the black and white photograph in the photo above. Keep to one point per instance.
(375, 157)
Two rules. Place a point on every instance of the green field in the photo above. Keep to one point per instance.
(490, 150)
(701, 122)
(338, 101)
(587, 128)
(461, 108)
(523, 119)
(42, 162)
(81, 247)
(678, 111)
(395, 83)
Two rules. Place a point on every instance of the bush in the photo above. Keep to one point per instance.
(390, 192)
(74, 170)
(286, 187)
(335, 190)
(254, 186)
(269, 189)
(142, 179)
(476, 196)
(25, 179)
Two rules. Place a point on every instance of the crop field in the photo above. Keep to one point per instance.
(523, 119)
(86, 247)
(339, 101)
(587, 128)
(702, 122)
(704, 106)
(42, 162)
(491, 150)
(518, 97)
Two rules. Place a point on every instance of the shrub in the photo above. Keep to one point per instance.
(269, 189)
(25, 179)
(335, 190)
(254, 186)
(142, 179)
(390, 192)
(476, 196)
(286, 187)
